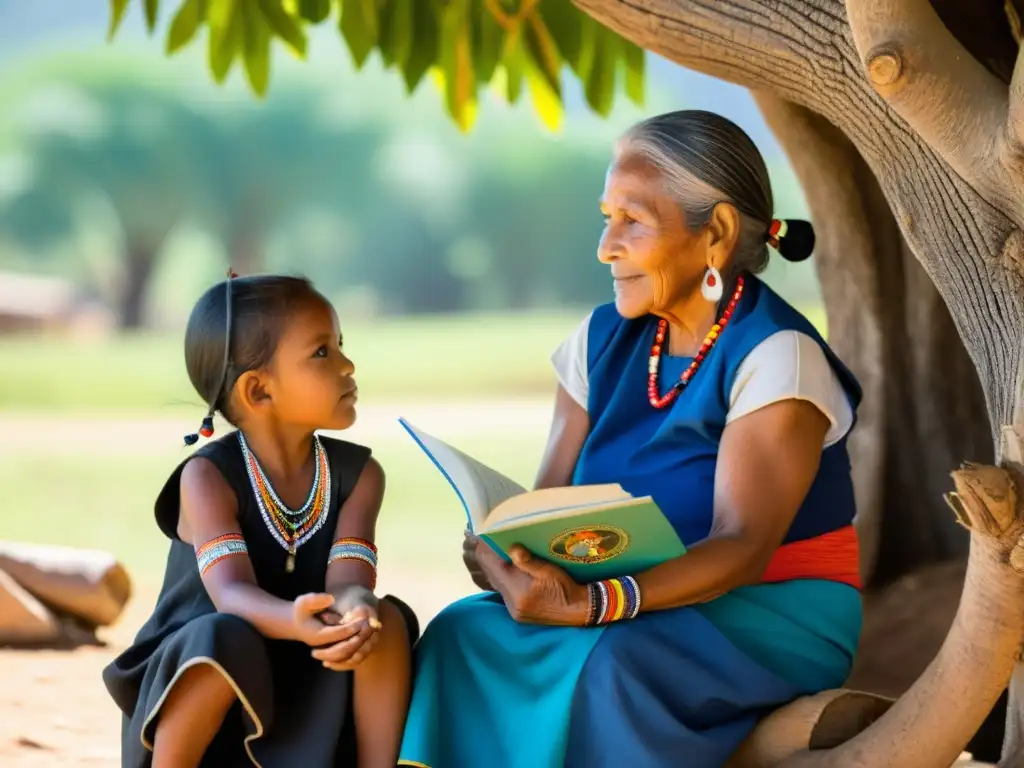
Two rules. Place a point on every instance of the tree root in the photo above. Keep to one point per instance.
(982, 651)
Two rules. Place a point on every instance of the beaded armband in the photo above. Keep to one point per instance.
(613, 600)
(355, 549)
(215, 550)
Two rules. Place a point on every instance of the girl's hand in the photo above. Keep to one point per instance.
(364, 625)
(469, 558)
(535, 591)
(308, 626)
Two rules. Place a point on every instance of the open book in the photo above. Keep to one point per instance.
(593, 531)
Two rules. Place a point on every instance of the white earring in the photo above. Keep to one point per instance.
(711, 286)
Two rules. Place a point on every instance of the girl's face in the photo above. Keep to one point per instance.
(310, 381)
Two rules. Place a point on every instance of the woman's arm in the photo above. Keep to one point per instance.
(766, 464)
(569, 428)
(209, 509)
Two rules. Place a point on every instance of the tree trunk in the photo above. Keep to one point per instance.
(140, 259)
(923, 407)
(908, 140)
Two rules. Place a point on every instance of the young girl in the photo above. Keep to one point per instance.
(267, 646)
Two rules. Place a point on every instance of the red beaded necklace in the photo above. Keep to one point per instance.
(705, 347)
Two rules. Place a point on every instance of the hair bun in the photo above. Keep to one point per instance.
(797, 244)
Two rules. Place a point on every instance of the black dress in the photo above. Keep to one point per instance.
(291, 711)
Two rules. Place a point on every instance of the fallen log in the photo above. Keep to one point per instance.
(23, 619)
(87, 585)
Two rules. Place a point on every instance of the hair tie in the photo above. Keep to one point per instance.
(206, 428)
(776, 231)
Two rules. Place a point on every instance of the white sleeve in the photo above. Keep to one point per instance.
(789, 365)
(570, 362)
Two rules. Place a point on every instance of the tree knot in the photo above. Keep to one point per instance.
(985, 500)
(885, 65)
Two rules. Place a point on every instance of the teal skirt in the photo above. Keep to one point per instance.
(677, 687)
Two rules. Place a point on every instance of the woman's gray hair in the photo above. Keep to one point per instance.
(704, 160)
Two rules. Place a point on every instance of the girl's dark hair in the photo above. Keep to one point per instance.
(235, 327)
(705, 160)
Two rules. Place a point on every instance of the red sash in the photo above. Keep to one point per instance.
(833, 556)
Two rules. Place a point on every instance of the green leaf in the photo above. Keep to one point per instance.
(574, 33)
(117, 9)
(600, 84)
(513, 62)
(256, 46)
(225, 20)
(425, 44)
(284, 26)
(544, 52)
(396, 31)
(314, 11)
(546, 100)
(152, 8)
(488, 36)
(184, 25)
(635, 64)
(359, 28)
(457, 64)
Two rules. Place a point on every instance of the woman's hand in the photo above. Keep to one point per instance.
(469, 558)
(535, 591)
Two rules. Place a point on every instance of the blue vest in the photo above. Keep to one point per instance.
(671, 453)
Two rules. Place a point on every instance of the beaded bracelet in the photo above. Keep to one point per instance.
(216, 549)
(351, 548)
(613, 600)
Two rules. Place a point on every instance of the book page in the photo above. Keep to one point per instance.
(568, 513)
(479, 487)
(552, 499)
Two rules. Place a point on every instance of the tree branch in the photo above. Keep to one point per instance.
(923, 72)
(754, 43)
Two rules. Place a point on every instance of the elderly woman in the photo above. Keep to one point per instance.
(703, 388)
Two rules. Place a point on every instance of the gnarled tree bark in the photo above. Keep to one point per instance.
(915, 135)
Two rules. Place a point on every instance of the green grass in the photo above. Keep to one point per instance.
(442, 358)
(423, 359)
(105, 501)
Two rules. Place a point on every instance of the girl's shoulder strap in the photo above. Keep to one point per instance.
(225, 453)
(347, 461)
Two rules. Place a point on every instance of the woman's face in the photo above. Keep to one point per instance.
(657, 263)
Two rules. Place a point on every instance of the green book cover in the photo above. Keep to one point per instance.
(592, 531)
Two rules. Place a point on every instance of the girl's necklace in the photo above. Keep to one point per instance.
(290, 528)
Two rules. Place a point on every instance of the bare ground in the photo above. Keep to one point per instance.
(54, 711)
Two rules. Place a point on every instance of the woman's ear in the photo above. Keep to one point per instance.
(723, 230)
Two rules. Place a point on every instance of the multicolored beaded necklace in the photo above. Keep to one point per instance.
(705, 348)
(290, 528)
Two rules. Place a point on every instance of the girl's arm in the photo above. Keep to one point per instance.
(767, 462)
(209, 509)
(350, 577)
